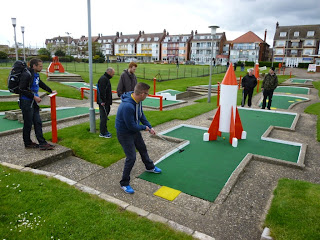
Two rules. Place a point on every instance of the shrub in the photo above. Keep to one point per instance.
(3, 55)
(303, 65)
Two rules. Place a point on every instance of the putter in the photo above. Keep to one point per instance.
(180, 150)
(105, 111)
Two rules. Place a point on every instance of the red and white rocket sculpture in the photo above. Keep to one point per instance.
(227, 118)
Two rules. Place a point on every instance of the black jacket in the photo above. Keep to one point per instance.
(104, 90)
(26, 82)
(249, 81)
(127, 82)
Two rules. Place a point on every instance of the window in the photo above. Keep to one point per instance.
(294, 52)
(148, 39)
(309, 43)
(307, 51)
(141, 39)
(125, 40)
(181, 44)
(294, 44)
(279, 51)
(164, 45)
(109, 40)
(99, 41)
(280, 43)
(164, 51)
(156, 39)
(296, 34)
(131, 39)
(283, 34)
(119, 40)
(310, 33)
(209, 44)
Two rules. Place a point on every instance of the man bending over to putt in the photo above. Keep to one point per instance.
(128, 119)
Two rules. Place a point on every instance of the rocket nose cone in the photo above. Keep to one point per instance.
(230, 77)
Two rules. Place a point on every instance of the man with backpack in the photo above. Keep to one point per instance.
(104, 100)
(29, 85)
(128, 80)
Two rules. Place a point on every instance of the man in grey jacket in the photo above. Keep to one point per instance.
(128, 80)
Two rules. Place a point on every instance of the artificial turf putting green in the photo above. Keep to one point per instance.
(203, 168)
(290, 90)
(284, 102)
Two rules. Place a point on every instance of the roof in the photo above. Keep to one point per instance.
(145, 37)
(302, 29)
(248, 37)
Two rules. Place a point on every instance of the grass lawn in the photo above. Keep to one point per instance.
(38, 207)
(295, 211)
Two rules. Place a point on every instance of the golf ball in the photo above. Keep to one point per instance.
(223, 137)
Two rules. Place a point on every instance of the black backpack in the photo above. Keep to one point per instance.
(14, 77)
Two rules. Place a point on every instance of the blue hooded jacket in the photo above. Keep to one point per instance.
(129, 115)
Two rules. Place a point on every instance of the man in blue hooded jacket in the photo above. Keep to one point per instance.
(128, 126)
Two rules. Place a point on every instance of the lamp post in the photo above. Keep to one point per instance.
(68, 42)
(287, 45)
(14, 23)
(213, 32)
(24, 51)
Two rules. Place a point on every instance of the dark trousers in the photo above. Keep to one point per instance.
(247, 92)
(130, 142)
(104, 112)
(267, 94)
(30, 112)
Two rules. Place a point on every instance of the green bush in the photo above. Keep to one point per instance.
(3, 55)
(248, 64)
(303, 65)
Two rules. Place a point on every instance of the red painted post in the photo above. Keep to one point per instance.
(218, 97)
(95, 94)
(53, 117)
(160, 98)
(154, 86)
(290, 74)
(240, 82)
(81, 90)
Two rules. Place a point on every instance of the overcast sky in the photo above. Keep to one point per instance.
(44, 19)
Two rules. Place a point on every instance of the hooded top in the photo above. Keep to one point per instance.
(129, 115)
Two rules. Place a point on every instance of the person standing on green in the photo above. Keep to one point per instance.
(269, 84)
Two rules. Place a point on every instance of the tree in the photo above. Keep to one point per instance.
(60, 53)
(3, 55)
(44, 51)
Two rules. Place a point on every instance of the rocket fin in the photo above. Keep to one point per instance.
(214, 127)
(232, 127)
(238, 125)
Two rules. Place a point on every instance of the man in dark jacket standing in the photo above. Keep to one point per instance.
(269, 84)
(249, 82)
(128, 80)
(128, 119)
(104, 100)
(28, 101)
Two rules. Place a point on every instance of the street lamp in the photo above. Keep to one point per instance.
(213, 32)
(24, 51)
(14, 23)
(68, 42)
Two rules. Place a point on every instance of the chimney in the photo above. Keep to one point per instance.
(265, 35)
(164, 31)
(192, 32)
(117, 34)
(139, 33)
(120, 33)
(142, 32)
(196, 32)
(277, 24)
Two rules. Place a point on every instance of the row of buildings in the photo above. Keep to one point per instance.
(291, 45)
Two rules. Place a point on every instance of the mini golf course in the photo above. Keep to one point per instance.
(62, 113)
(170, 91)
(6, 93)
(284, 101)
(299, 80)
(203, 169)
(78, 84)
(292, 90)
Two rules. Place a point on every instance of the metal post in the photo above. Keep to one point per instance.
(24, 51)
(14, 23)
(91, 109)
(213, 32)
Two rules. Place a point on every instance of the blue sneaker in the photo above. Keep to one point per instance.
(127, 189)
(155, 170)
(107, 135)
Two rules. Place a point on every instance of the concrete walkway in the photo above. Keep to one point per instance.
(240, 216)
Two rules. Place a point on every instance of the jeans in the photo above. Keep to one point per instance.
(130, 142)
(104, 112)
(30, 112)
(247, 92)
(267, 94)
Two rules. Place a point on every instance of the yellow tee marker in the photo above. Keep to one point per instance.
(167, 193)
